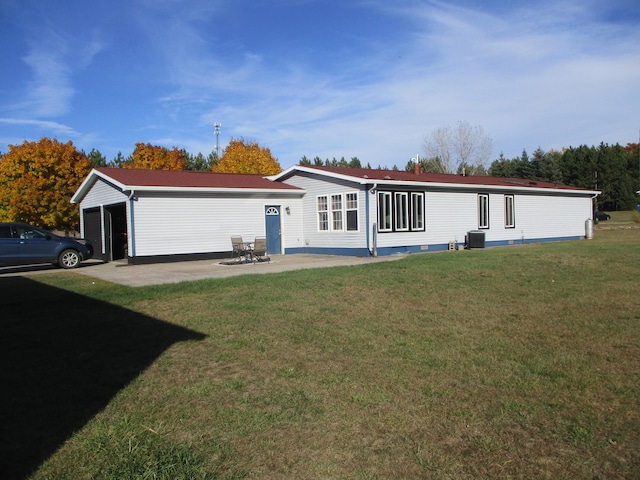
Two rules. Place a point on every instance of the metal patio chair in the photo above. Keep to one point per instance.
(239, 252)
(260, 250)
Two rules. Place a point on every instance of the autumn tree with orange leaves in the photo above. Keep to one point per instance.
(37, 181)
(152, 157)
(249, 157)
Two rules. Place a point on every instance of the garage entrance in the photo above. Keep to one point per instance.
(107, 232)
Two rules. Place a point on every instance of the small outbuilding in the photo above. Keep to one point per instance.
(151, 215)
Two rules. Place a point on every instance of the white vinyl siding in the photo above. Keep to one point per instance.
(164, 223)
(534, 222)
(102, 194)
(347, 238)
(181, 225)
(448, 214)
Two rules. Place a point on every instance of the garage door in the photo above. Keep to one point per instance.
(93, 231)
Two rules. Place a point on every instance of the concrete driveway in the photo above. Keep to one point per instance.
(174, 272)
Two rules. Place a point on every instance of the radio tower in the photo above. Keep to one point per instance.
(217, 132)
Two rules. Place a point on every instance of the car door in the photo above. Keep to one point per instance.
(8, 246)
(35, 245)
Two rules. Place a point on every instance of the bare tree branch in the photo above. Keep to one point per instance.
(466, 148)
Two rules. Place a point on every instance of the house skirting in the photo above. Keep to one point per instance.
(348, 252)
(186, 257)
(437, 247)
(526, 241)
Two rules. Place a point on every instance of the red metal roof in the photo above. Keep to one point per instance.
(403, 176)
(190, 179)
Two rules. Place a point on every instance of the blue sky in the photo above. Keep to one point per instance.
(365, 78)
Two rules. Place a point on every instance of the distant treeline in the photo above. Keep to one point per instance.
(612, 169)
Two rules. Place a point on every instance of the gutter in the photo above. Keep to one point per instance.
(272, 191)
(485, 187)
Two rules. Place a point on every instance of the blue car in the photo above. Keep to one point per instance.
(23, 244)
(601, 216)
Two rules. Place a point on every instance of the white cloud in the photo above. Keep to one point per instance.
(50, 90)
(545, 74)
(55, 127)
(53, 59)
(525, 79)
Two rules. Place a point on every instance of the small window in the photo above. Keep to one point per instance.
(323, 214)
(509, 212)
(384, 212)
(483, 211)
(402, 211)
(352, 212)
(417, 211)
(336, 212)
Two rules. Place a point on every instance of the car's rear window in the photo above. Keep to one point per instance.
(5, 231)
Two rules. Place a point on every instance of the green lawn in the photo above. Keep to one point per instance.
(520, 361)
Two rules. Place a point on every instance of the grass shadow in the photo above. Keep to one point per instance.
(63, 357)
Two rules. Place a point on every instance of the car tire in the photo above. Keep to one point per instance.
(69, 259)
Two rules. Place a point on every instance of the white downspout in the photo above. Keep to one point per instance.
(371, 226)
(131, 251)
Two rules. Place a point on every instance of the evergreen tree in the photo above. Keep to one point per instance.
(96, 158)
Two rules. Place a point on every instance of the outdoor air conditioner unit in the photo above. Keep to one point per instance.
(475, 239)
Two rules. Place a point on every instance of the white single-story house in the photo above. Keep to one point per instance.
(160, 215)
(153, 215)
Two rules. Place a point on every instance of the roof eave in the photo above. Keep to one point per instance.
(423, 183)
(301, 168)
(147, 188)
(477, 186)
(88, 182)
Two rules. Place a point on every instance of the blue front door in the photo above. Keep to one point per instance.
(272, 221)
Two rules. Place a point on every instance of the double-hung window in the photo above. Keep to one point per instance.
(417, 211)
(402, 211)
(483, 210)
(352, 211)
(509, 212)
(323, 214)
(333, 209)
(336, 212)
(384, 212)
